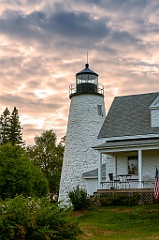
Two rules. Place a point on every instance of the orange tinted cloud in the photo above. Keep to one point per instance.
(43, 45)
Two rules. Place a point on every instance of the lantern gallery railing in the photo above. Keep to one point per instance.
(86, 88)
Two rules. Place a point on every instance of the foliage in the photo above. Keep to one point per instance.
(5, 126)
(15, 129)
(48, 156)
(119, 199)
(35, 219)
(79, 199)
(18, 175)
(10, 128)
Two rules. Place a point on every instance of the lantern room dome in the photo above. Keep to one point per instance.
(86, 70)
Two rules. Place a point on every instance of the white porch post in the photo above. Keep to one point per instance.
(116, 172)
(99, 170)
(140, 167)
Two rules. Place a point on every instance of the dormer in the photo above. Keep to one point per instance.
(154, 108)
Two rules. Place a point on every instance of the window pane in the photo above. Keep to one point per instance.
(133, 165)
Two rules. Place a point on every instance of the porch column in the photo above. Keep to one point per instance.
(116, 172)
(99, 170)
(140, 167)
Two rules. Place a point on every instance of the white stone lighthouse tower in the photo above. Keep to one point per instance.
(86, 116)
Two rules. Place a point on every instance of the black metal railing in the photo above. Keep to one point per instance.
(86, 88)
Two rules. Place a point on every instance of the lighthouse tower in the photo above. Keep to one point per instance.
(86, 116)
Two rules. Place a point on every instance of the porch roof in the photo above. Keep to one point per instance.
(129, 116)
(152, 143)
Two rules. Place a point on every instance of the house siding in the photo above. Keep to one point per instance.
(121, 160)
(110, 166)
(150, 159)
(92, 185)
(155, 118)
(122, 164)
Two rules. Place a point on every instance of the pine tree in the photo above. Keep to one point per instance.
(15, 129)
(5, 126)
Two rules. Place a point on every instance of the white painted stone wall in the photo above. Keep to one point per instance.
(83, 127)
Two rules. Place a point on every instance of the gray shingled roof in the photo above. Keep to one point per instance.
(129, 116)
(94, 173)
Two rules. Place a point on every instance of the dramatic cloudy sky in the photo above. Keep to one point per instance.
(43, 44)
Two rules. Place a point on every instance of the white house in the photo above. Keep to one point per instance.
(130, 136)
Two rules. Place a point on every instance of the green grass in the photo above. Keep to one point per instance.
(126, 223)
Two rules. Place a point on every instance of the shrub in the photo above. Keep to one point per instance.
(119, 199)
(79, 199)
(32, 219)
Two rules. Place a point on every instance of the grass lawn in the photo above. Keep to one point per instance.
(138, 222)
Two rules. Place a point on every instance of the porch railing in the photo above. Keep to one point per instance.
(129, 184)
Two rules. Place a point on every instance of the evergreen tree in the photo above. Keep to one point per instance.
(5, 126)
(15, 129)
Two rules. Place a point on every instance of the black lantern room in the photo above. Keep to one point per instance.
(86, 83)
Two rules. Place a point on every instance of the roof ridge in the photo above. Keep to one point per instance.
(139, 94)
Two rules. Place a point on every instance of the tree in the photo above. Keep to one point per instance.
(5, 126)
(10, 128)
(18, 175)
(47, 155)
(15, 129)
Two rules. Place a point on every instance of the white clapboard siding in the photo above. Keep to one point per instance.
(122, 164)
(150, 159)
(110, 166)
(155, 117)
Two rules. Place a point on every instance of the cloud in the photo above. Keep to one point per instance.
(62, 27)
(43, 44)
(78, 24)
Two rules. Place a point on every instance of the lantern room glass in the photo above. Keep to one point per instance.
(87, 78)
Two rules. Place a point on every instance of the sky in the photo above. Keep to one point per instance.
(44, 43)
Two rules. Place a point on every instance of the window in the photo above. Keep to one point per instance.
(133, 165)
(154, 107)
(100, 112)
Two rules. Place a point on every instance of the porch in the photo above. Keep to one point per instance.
(132, 166)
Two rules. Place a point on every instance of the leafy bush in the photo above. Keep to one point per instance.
(79, 199)
(119, 199)
(31, 219)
